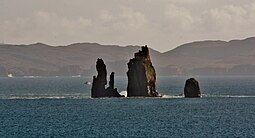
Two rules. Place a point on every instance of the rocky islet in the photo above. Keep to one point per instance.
(142, 80)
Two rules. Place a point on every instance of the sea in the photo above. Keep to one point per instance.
(62, 107)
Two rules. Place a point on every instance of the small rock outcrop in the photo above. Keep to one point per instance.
(191, 88)
(141, 75)
(111, 91)
(98, 85)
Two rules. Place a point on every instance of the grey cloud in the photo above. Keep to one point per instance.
(162, 24)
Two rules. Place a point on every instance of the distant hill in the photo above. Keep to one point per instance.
(75, 59)
(235, 57)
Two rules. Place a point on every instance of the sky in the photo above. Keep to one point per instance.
(160, 24)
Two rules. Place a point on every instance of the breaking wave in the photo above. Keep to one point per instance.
(212, 96)
(123, 93)
(81, 96)
(31, 77)
(44, 96)
(228, 96)
(172, 96)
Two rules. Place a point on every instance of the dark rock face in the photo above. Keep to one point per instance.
(98, 86)
(111, 91)
(141, 75)
(99, 81)
(192, 88)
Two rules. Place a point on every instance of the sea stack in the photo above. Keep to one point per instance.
(141, 75)
(98, 86)
(191, 89)
(99, 81)
(111, 91)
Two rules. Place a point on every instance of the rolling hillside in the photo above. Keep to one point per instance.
(235, 57)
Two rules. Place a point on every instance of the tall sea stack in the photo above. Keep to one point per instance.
(141, 75)
(191, 88)
(98, 86)
(99, 81)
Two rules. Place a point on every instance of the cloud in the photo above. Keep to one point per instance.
(126, 20)
(187, 1)
(43, 26)
(106, 16)
(122, 27)
(179, 1)
(230, 19)
(162, 24)
(179, 17)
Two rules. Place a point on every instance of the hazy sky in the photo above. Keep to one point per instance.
(161, 24)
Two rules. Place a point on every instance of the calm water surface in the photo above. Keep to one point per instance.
(62, 107)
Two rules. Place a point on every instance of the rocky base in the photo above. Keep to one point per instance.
(111, 91)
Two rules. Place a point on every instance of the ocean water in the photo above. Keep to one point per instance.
(62, 107)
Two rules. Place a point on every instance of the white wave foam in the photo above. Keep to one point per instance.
(208, 95)
(123, 93)
(172, 96)
(44, 96)
(39, 97)
(76, 76)
(80, 96)
(229, 96)
(31, 76)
